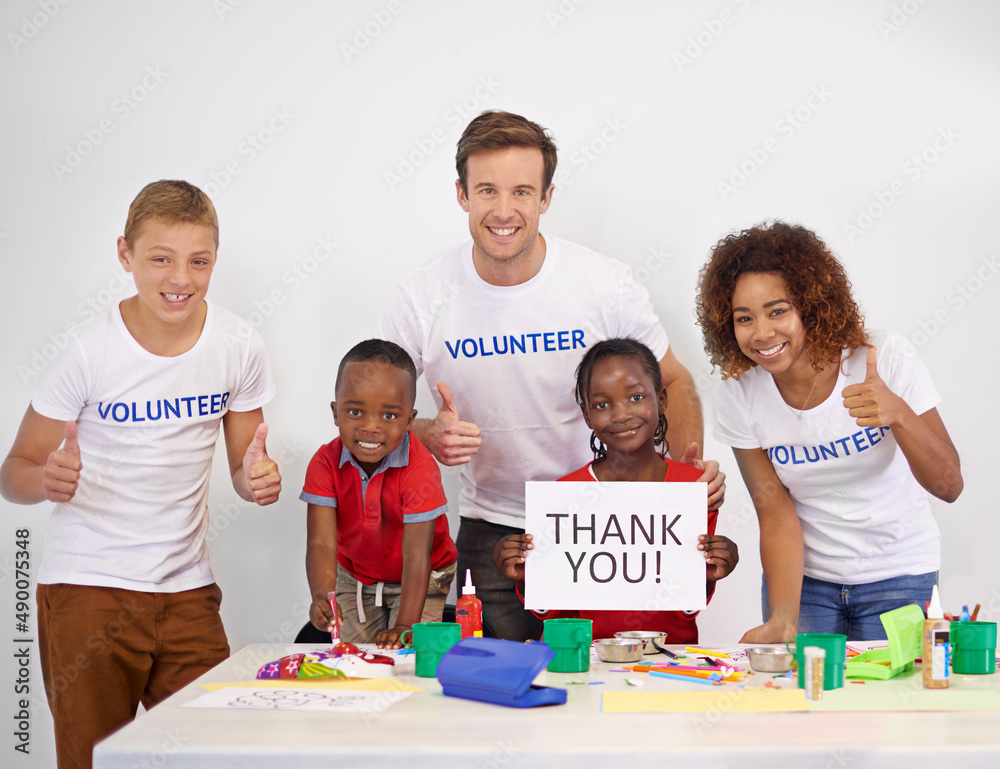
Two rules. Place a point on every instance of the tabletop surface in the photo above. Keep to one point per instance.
(429, 729)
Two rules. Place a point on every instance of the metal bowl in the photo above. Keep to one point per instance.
(770, 659)
(619, 649)
(648, 638)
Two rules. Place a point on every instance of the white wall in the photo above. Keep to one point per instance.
(888, 108)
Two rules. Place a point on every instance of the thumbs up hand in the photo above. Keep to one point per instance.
(262, 476)
(450, 440)
(61, 474)
(871, 402)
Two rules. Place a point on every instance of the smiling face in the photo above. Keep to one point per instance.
(374, 409)
(171, 264)
(504, 200)
(767, 325)
(623, 406)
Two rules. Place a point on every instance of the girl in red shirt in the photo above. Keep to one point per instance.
(620, 391)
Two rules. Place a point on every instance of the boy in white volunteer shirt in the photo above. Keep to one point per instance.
(120, 435)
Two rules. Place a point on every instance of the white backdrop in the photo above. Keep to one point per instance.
(325, 134)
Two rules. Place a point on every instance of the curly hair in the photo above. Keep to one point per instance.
(625, 348)
(817, 284)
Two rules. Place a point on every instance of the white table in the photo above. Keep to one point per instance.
(430, 730)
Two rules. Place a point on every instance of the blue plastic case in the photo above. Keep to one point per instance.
(499, 672)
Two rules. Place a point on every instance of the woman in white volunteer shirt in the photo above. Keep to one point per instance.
(836, 433)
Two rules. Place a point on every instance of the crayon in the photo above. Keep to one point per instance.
(699, 650)
(676, 677)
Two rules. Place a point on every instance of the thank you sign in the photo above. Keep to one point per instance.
(615, 546)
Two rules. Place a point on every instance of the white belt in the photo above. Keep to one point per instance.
(378, 600)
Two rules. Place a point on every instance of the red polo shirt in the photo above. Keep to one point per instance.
(371, 511)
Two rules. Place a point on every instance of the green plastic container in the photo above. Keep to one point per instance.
(973, 647)
(570, 639)
(836, 652)
(904, 629)
(431, 640)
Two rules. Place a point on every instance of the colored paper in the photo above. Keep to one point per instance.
(297, 698)
(872, 697)
(359, 684)
(725, 700)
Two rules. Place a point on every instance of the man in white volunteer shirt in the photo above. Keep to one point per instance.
(499, 324)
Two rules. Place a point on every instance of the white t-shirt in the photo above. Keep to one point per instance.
(864, 516)
(509, 354)
(147, 429)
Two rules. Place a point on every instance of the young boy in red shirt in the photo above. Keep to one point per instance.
(377, 531)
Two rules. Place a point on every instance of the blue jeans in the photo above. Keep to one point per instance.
(854, 610)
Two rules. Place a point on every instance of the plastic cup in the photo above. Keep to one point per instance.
(431, 640)
(570, 639)
(835, 646)
(973, 647)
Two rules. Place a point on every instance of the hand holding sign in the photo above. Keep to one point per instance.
(871, 402)
(509, 554)
(721, 555)
(61, 474)
(263, 478)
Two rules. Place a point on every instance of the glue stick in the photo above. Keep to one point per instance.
(936, 649)
(469, 609)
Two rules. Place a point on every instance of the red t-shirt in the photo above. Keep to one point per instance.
(371, 512)
(679, 626)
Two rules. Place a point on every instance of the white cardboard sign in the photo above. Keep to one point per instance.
(615, 546)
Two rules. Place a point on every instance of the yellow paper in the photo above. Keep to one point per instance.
(358, 684)
(726, 700)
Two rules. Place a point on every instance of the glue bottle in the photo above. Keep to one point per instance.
(469, 609)
(814, 664)
(936, 647)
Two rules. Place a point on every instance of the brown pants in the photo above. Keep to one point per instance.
(104, 650)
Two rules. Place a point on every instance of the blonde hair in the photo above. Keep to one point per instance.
(170, 201)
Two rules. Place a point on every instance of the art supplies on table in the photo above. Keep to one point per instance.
(469, 609)
(570, 640)
(430, 642)
(498, 672)
(335, 632)
(834, 646)
(813, 672)
(973, 647)
(652, 640)
(936, 650)
(903, 629)
(316, 700)
(345, 660)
